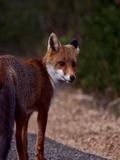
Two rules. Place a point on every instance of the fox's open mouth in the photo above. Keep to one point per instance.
(63, 80)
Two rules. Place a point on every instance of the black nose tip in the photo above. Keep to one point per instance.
(72, 78)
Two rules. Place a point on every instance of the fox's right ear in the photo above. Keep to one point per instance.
(74, 43)
(53, 42)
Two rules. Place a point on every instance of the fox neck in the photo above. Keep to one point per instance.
(51, 73)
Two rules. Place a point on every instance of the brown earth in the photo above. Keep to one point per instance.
(80, 121)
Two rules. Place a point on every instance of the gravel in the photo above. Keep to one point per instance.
(54, 151)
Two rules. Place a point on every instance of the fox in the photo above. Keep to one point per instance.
(28, 86)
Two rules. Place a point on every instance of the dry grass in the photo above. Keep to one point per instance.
(79, 121)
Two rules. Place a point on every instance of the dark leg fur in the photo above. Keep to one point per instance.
(7, 111)
(42, 122)
(21, 136)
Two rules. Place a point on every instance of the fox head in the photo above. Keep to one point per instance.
(60, 60)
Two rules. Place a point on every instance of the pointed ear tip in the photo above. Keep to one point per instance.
(52, 34)
(74, 42)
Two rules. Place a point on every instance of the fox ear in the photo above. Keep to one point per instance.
(53, 42)
(74, 43)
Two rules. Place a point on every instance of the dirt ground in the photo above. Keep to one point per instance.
(80, 121)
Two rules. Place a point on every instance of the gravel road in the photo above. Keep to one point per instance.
(54, 151)
(79, 128)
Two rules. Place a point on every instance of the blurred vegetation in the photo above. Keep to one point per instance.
(26, 25)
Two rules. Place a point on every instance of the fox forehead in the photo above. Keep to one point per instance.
(66, 53)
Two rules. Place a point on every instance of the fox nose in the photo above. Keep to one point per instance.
(72, 78)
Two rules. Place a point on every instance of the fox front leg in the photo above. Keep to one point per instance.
(21, 135)
(42, 122)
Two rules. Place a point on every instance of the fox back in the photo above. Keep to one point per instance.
(23, 87)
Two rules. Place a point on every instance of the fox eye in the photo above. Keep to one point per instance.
(61, 63)
(73, 64)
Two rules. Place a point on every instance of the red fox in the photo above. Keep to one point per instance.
(28, 86)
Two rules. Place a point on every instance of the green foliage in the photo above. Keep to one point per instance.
(99, 63)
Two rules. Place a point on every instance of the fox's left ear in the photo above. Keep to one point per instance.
(53, 42)
(74, 43)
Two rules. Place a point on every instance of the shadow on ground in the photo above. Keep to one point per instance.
(54, 151)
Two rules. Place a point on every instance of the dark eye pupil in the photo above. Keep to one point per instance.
(73, 64)
(61, 63)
